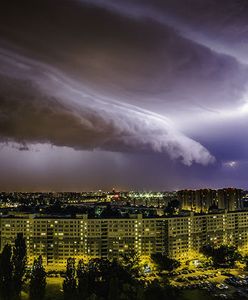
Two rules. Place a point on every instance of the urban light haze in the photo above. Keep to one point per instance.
(129, 94)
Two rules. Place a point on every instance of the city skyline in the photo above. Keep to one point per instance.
(129, 94)
(190, 241)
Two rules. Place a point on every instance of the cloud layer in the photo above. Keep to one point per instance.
(39, 104)
(148, 80)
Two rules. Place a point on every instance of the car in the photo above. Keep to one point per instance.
(223, 296)
(222, 286)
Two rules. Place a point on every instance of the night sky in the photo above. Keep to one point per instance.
(131, 94)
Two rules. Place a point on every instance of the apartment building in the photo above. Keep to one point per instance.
(202, 200)
(186, 235)
(179, 237)
(56, 239)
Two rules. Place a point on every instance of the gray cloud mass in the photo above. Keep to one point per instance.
(41, 105)
(149, 83)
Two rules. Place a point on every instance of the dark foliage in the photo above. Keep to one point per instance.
(37, 286)
(6, 273)
(157, 291)
(70, 284)
(172, 207)
(19, 263)
(104, 279)
(222, 256)
(164, 263)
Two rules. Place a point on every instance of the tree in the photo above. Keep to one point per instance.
(157, 291)
(121, 272)
(37, 286)
(164, 263)
(6, 272)
(154, 291)
(131, 262)
(83, 280)
(19, 263)
(103, 279)
(114, 291)
(222, 256)
(110, 212)
(121, 279)
(172, 207)
(99, 272)
(207, 250)
(128, 271)
(225, 256)
(70, 284)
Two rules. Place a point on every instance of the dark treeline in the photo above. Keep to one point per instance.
(122, 279)
(13, 272)
(13, 261)
(223, 256)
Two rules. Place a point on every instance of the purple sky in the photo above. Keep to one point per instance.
(132, 94)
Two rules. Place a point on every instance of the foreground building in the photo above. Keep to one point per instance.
(180, 237)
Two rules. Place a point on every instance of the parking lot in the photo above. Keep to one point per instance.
(226, 284)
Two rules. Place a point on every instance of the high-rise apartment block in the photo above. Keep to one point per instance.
(204, 199)
(179, 237)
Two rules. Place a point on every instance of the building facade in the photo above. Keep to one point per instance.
(56, 239)
(204, 199)
(179, 237)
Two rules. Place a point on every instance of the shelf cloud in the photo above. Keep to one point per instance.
(39, 104)
(160, 85)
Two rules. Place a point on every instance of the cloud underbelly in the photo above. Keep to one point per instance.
(40, 104)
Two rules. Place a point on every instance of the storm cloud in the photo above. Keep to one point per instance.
(40, 105)
(166, 79)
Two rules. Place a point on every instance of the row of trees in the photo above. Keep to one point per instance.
(113, 280)
(12, 268)
(13, 271)
(222, 256)
(164, 263)
(37, 285)
(104, 279)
